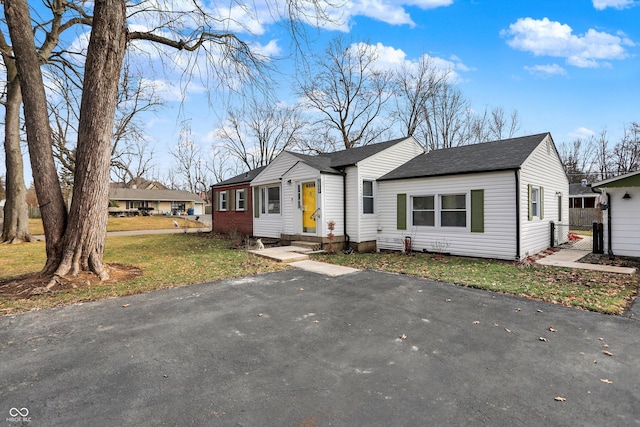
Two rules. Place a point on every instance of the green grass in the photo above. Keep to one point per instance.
(166, 261)
(602, 292)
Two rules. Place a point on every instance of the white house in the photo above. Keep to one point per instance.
(493, 200)
(621, 219)
(297, 195)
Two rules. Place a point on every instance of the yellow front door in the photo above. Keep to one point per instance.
(309, 207)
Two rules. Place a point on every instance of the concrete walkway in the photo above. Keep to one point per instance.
(569, 257)
(297, 256)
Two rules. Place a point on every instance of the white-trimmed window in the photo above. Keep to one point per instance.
(240, 201)
(222, 201)
(368, 196)
(453, 210)
(423, 211)
(270, 200)
(535, 201)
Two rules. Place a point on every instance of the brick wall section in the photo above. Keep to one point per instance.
(232, 220)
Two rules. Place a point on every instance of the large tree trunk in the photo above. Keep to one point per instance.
(52, 208)
(15, 228)
(87, 227)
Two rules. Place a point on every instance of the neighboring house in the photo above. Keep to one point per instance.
(140, 183)
(621, 219)
(232, 204)
(490, 200)
(583, 200)
(297, 195)
(132, 201)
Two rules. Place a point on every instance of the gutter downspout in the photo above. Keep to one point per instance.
(517, 176)
(609, 239)
(344, 208)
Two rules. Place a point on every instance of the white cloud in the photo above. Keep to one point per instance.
(390, 58)
(546, 70)
(269, 50)
(616, 4)
(582, 133)
(392, 12)
(543, 37)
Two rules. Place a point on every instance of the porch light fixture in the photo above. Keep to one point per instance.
(289, 182)
(626, 195)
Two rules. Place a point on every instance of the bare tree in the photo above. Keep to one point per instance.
(348, 92)
(602, 156)
(76, 242)
(626, 153)
(447, 119)
(15, 225)
(3, 192)
(190, 166)
(414, 86)
(577, 159)
(256, 133)
(131, 153)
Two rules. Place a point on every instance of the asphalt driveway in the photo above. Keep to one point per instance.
(296, 348)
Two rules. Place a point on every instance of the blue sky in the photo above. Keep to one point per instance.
(570, 67)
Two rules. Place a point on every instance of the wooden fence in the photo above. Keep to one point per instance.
(584, 216)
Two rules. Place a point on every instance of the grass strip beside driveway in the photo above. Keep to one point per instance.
(166, 260)
(608, 293)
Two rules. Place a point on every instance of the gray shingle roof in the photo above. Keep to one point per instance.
(332, 162)
(578, 189)
(153, 195)
(320, 162)
(354, 155)
(239, 179)
(506, 154)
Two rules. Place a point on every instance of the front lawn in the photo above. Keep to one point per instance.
(602, 292)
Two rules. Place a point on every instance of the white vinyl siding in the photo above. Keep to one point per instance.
(363, 227)
(543, 170)
(625, 222)
(274, 225)
(498, 238)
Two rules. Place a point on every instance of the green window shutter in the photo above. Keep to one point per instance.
(256, 203)
(231, 200)
(216, 202)
(402, 212)
(541, 202)
(529, 201)
(246, 199)
(477, 211)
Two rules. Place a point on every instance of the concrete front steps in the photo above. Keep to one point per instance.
(312, 246)
(286, 254)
